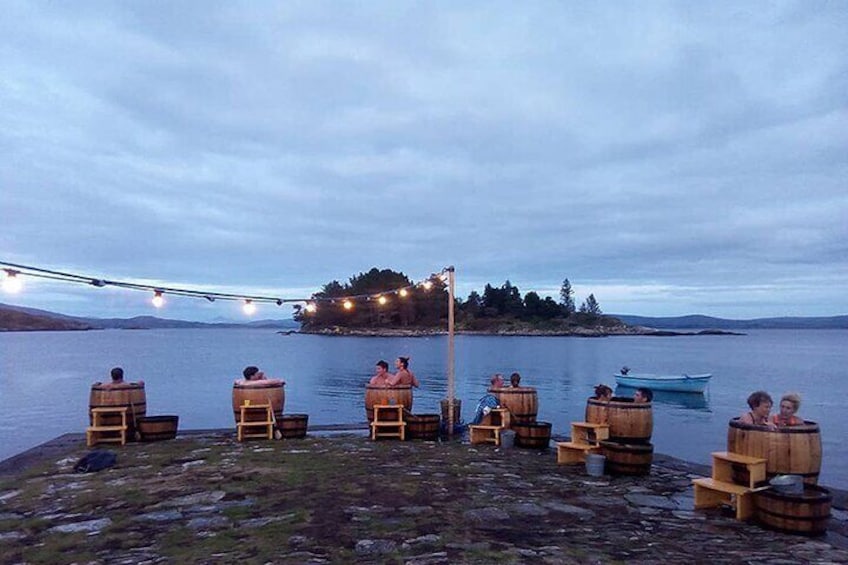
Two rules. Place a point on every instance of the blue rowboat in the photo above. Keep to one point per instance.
(674, 383)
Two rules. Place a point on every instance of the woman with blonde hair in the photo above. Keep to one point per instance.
(789, 405)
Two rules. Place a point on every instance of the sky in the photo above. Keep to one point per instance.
(670, 158)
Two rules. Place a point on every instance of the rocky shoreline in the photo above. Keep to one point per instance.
(573, 332)
(338, 497)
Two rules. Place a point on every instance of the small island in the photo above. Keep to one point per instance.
(387, 303)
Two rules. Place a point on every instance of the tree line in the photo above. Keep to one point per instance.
(424, 308)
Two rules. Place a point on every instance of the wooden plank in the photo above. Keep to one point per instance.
(737, 458)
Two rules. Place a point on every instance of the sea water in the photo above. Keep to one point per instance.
(45, 378)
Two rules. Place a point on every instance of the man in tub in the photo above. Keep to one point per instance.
(253, 376)
(117, 375)
(383, 378)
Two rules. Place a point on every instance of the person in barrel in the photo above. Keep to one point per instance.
(789, 405)
(403, 376)
(603, 393)
(253, 376)
(643, 395)
(515, 380)
(760, 403)
(117, 374)
(383, 377)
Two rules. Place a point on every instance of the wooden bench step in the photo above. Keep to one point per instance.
(571, 453)
(106, 428)
(738, 458)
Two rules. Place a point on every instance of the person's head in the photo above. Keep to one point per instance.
(250, 372)
(117, 375)
(382, 366)
(497, 380)
(402, 363)
(789, 404)
(643, 394)
(515, 379)
(760, 403)
(603, 392)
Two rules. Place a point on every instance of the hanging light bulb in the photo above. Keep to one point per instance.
(428, 284)
(311, 307)
(249, 307)
(12, 284)
(158, 300)
(382, 300)
(347, 304)
(403, 293)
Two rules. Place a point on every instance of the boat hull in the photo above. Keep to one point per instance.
(673, 383)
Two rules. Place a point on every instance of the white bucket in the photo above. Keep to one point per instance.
(507, 439)
(595, 464)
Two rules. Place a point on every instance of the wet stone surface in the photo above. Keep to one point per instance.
(342, 499)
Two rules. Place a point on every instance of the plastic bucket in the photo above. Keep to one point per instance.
(507, 439)
(595, 464)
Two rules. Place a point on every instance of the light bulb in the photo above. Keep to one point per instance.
(158, 300)
(403, 292)
(382, 300)
(347, 304)
(428, 284)
(249, 307)
(311, 307)
(12, 284)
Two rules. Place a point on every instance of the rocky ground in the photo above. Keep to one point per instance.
(204, 498)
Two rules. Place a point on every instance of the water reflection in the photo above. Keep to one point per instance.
(692, 401)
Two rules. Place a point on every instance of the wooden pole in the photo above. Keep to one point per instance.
(451, 389)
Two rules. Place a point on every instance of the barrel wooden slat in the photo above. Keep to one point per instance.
(793, 450)
(293, 426)
(532, 435)
(259, 392)
(628, 458)
(522, 402)
(804, 513)
(629, 421)
(124, 395)
(422, 426)
(158, 428)
(400, 395)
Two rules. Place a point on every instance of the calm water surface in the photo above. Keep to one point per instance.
(45, 378)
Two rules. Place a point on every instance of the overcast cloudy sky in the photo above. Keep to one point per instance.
(669, 157)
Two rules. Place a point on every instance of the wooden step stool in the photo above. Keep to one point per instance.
(97, 432)
(256, 421)
(388, 422)
(585, 438)
(720, 488)
(490, 427)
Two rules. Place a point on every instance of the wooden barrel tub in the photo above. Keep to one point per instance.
(259, 392)
(804, 513)
(293, 426)
(522, 403)
(629, 421)
(400, 395)
(532, 435)
(158, 428)
(627, 458)
(124, 395)
(422, 426)
(793, 450)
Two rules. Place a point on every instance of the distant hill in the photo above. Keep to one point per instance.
(18, 318)
(698, 321)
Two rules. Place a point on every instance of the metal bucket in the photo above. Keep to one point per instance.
(507, 439)
(788, 484)
(595, 464)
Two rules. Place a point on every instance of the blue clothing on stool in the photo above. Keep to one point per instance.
(488, 401)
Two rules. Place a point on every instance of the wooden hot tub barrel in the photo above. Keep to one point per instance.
(293, 426)
(629, 421)
(628, 458)
(532, 435)
(422, 426)
(522, 403)
(259, 392)
(793, 450)
(400, 395)
(124, 395)
(158, 428)
(804, 513)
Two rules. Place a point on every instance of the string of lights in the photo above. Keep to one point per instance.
(13, 272)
